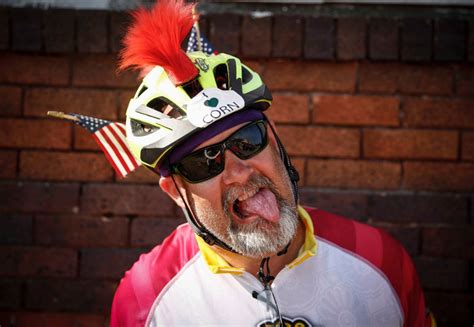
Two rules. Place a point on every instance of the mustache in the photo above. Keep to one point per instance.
(254, 183)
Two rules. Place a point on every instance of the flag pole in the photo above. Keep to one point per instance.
(62, 115)
(198, 31)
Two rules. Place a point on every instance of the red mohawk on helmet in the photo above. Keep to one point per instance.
(155, 37)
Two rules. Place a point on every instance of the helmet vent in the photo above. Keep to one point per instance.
(222, 77)
(141, 129)
(142, 89)
(192, 88)
(165, 108)
(246, 75)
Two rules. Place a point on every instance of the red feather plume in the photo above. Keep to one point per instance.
(155, 37)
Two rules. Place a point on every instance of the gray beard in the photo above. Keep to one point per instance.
(258, 239)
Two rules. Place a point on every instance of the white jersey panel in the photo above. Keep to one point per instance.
(333, 288)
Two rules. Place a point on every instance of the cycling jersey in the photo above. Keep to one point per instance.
(346, 274)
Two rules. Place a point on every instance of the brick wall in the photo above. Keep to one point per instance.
(376, 109)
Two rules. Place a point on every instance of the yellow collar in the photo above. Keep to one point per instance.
(218, 265)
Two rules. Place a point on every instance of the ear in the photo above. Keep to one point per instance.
(169, 187)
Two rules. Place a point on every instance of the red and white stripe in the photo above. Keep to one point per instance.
(111, 139)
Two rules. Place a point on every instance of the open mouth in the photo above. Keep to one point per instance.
(258, 203)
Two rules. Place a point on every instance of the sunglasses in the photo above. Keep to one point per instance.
(208, 162)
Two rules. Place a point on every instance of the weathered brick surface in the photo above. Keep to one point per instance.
(83, 139)
(465, 80)
(351, 36)
(58, 30)
(319, 42)
(119, 21)
(353, 174)
(310, 76)
(4, 28)
(452, 242)
(123, 99)
(140, 175)
(126, 199)
(28, 197)
(57, 319)
(65, 166)
(107, 263)
(70, 295)
(26, 29)
(225, 33)
(10, 294)
(30, 69)
(256, 36)
(22, 133)
(467, 150)
(287, 34)
(16, 229)
(449, 39)
(36, 261)
(320, 141)
(347, 204)
(83, 231)
(410, 144)
(378, 77)
(91, 31)
(152, 231)
(416, 38)
(356, 110)
(11, 101)
(8, 164)
(289, 108)
(408, 236)
(383, 39)
(443, 274)
(451, 309)
(431, 112)
(101, 71)
(96, 103)
(425, 209)
(438, 176)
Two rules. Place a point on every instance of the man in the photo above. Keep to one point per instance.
(249, 255)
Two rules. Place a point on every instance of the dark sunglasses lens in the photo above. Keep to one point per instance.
(201, 165)
(248, 141)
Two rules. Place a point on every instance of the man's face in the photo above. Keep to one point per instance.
(250, 205)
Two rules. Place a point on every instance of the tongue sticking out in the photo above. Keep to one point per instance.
(262, 204)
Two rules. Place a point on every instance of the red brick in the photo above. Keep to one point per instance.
(31, 69)
(452, 242)
(353, 174)
(4, 28)
(126, 199)
(410, 144)
(351, 38)
(21, 133)
(465, 80)
(101, 71)
(289, 108)
(36, 261)
(26, 29)
(443, 273)
(83, 139)
(10, 295)
(91, 29)
(225, 32)
(379, 77)
(416, 39)
(430, 112)
(408, 236)
(16, 229)
(64, 166)
(450, 309)
(256, 36)
(119, 21)
(8, 164)
(310, 76)
(107, 263)
(319, 40)
(57, 319)
(419, 208)
(467, 151)
(438, 176)
(27, 197)
(11, 101)
(58, 30)
(383, 39)
(92, 296)
(287, 36)
(124, 98)
(81, 231)
(100, 104)
(356, 110)
(320, 141)
(348, 204)
(140, 175)
(450, 39)
(152, 231)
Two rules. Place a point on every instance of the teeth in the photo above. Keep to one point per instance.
(247, 195)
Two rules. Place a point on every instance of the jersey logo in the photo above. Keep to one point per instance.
(287, 322)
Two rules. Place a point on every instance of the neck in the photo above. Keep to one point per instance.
(277, 262)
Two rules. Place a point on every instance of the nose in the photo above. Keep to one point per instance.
(236, 170)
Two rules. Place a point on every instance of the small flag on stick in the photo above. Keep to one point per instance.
(111, 138)
(198, 42)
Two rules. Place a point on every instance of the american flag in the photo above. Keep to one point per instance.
(193, 44)
(111, 138)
